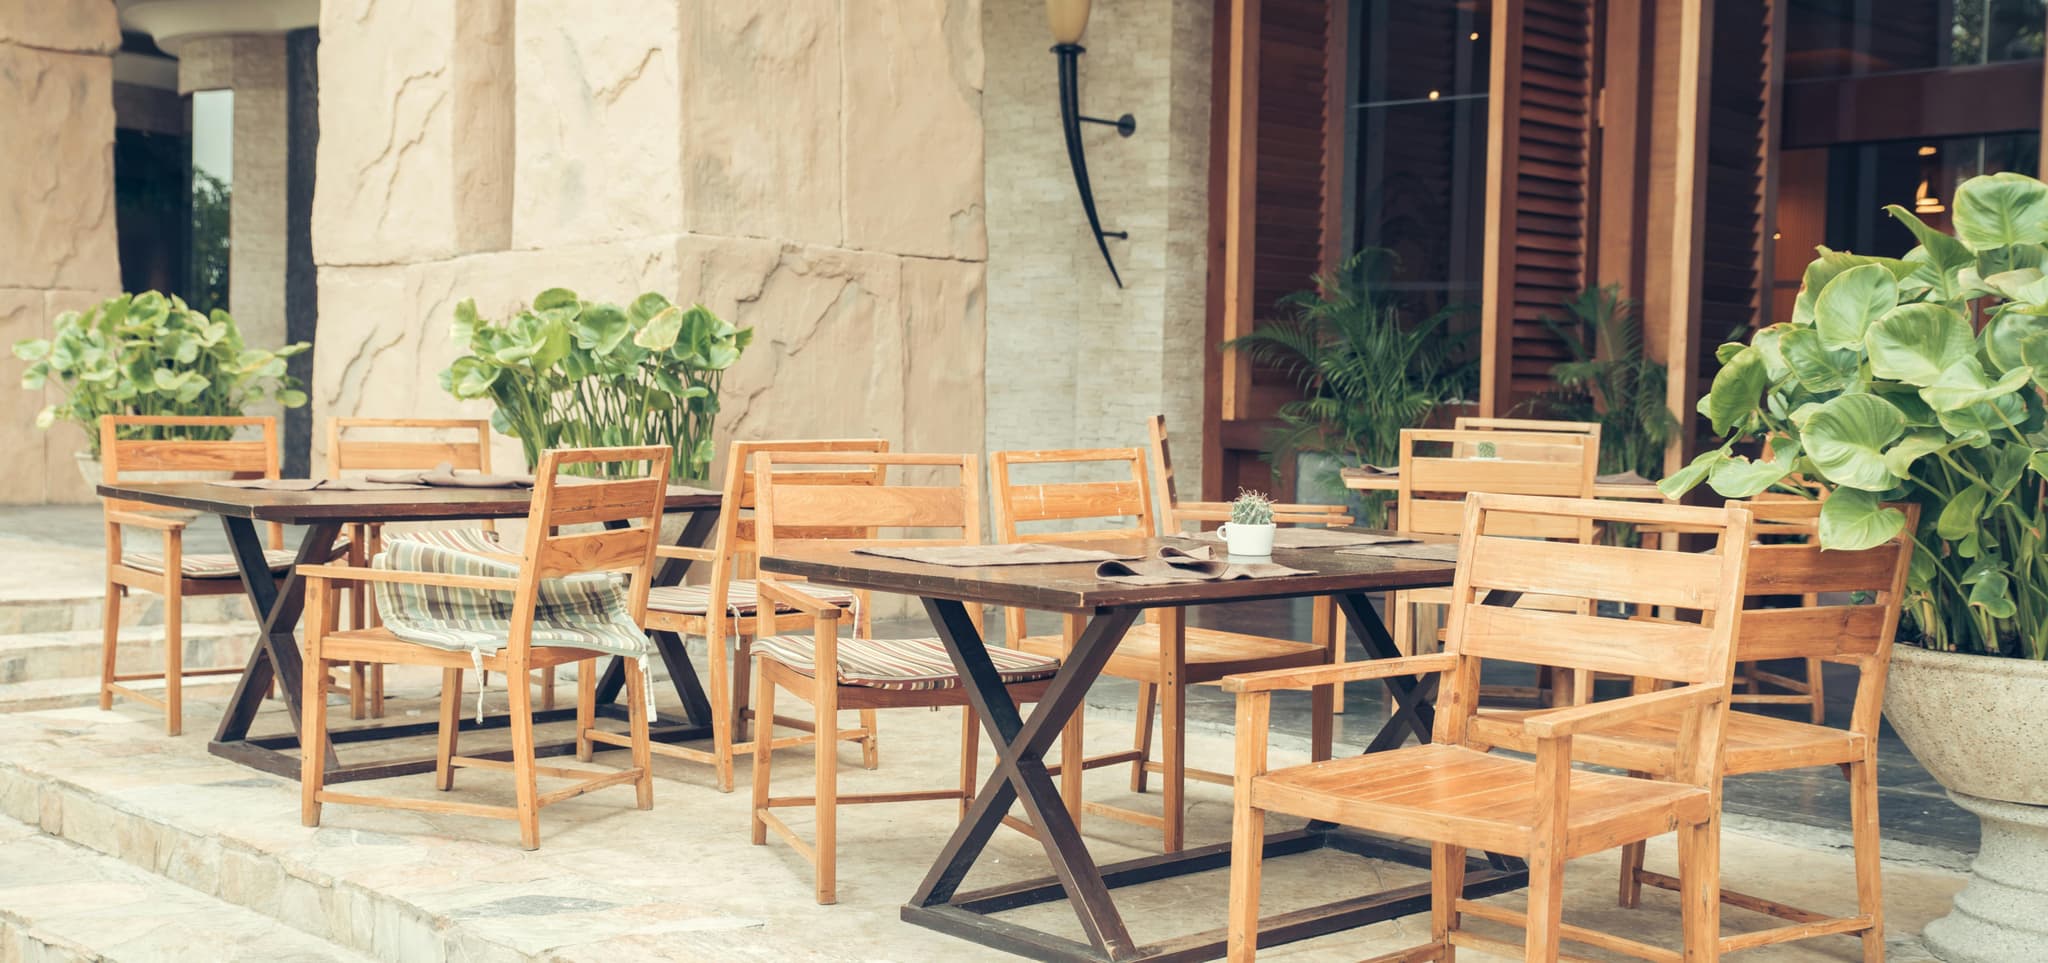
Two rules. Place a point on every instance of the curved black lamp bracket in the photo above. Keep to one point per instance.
(1071, 120)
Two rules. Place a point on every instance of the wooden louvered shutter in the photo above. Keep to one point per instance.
(1539, 150)
(1740, 114)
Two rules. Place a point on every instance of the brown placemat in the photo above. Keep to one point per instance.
(1622, 478)
(318, 484)
(1428, 552)
(693, 490)
(444, 476)
(1313, 538)
(1172, 565)
(972, 556)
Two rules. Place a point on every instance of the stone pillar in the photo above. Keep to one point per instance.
(253, 67)
(57, 252)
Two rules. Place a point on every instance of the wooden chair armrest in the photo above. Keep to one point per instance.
(355, 573)
(140, 520)
(1308, 678)
(779, 594)
(1561, 723)
(692, 554)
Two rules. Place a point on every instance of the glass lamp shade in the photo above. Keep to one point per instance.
(1068, 19)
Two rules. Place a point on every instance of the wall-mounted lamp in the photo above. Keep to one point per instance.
(1069, 19)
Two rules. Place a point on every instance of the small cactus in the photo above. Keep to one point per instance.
(1251, 508)
(1486, 450)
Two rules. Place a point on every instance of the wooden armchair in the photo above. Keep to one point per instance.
(1457, 795)
(398, 444)
(1431, 501)
(1164, 654)
(551, 619)
(126, 447)
(867, 673)
(1840, 630)
(726, 607)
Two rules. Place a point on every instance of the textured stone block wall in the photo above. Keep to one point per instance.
(57, 250)
(815, 175)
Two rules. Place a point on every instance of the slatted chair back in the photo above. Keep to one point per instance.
(561, 540)
(1126, 495)
(409, 444)
(1519, 425)
(1712, 584)
(1849, 601)
(844, 497)
(1176, 514)
(150, 443)
(1434, 485)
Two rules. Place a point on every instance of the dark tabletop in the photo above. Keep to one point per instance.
(1074, 587)
(303, 508)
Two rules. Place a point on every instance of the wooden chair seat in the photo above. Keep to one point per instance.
(742, 597)
(208, 565)
(1475, 799)
(1211, 653)
(1754, 743)
(899, 664)
(379, 644)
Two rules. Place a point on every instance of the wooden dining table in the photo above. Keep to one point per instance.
(278, 598)
(1022, 775)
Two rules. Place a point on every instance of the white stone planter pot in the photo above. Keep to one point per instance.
(1978, 725)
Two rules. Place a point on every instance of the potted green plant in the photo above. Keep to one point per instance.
(565, 372)
(1250, 529)
(1364, 372)
(150, 354)
(1883, 387)
(1611, 381)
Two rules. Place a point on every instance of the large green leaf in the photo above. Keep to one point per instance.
(1846, 438)
(2001, 210)
(1853, 520)
(1740, 477)
(1965, 384)
(662, 330)
(1824, 269)
(1737, 390)
(601, 327)
(1819, 368)
(463, 330)
(1915, 343)
(1941, 258)
(1685, 479)
(1851, 301)
(2002, 337)
(1899, 458)
(1993, 594)
(1961, 516)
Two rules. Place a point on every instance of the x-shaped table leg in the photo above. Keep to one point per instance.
(277, 606)
(1020, 773)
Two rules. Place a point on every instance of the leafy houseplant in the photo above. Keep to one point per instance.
(150, 354)
(1364, 373)
(1612, 382)
(566, 372)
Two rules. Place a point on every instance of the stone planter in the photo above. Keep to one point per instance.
(1976, 724)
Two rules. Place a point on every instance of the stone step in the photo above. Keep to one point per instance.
(56, 655)
(73, 611)
(74, 691)
(62, 901)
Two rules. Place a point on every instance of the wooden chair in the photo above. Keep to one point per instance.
(1433, 488)
(1751, 677)
(1164, 655)
(421, 444)
(125, 449)
(868, 673)
(1455, 794)
(725, 607)
(533, 578)
(1857, 634)
(1176, 515)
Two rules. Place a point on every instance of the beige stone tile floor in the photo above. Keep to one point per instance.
(682, 882)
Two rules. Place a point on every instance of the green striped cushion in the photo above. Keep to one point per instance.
(903, 664)
(580, 611)
(741, 597)
(208, 565)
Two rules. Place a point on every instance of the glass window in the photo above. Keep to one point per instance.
(1418, 131)
(1919, 175)
(1849, 38)
(213, 182)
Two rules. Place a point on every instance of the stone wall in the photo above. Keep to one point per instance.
(1075, 361)
(815, 176)
(57, 250)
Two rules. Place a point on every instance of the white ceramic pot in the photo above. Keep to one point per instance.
(1976, 724)
(1255, 541)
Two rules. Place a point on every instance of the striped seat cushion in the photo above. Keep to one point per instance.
(208, 565)
(578, 611)
(741, 597)
(901, 663)
(459, 539)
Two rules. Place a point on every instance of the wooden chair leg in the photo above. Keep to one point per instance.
(1072, 752)
(312, 722)
(1869, 865)
(1631, 895)
(764, 736)
(358, 690)
(526, 785)
(742, 687)
(1446, 886)
(870, 750)
(1247, 849)
(377, 690)
(1699, 890)
(723, 724)
(110, 640)
(1173, 750)
(1546, 906)
(825, 744)
(970, 757)
(450, 729)
(1141, 740)
(586, 707)
(1816, 689)
(174, 656)
(547, 687)
(1403, 629)
(636, 726)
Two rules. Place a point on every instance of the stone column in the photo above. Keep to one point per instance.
(57, 251)
(253, 67)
